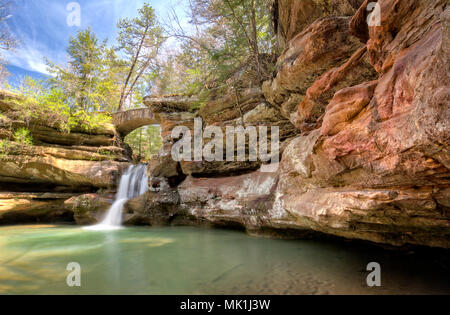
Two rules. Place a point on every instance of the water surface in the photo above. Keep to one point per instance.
(33, 260)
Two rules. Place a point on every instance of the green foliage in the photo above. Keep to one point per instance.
(91, 80)
(88, 121)
(145, 142)
(139, 40)
(23, 137)
(41, 103)
(229, 35)
(49, 104)
(5, 146)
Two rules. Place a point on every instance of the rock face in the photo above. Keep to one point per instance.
(59, 167)
(240, 103)
(293, 16)
(378, 167)
(366, 115)
(320, 47)
(34, 207)
(89, 209)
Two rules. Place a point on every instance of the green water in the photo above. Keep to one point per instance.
(33, 260)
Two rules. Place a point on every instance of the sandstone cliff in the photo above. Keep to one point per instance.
(364, 118)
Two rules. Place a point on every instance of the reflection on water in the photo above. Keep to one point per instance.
(33, 260)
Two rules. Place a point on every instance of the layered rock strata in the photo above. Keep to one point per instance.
(365, 111)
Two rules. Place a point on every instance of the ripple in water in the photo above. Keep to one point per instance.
(33, 260)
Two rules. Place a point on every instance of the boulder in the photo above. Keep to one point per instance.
(89, 209)
(159, 206)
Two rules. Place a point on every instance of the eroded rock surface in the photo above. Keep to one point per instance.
(369, 159)
(293, 16)
(325, 44)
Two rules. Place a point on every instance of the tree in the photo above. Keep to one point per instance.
(85, 53)
(140, 40)
(227, 35)
(93, 74)
(7, 39)
(145, 142)
(80, 78)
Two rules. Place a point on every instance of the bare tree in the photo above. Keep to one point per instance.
(140, 39)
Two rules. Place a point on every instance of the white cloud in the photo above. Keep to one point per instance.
(28, 58)
(41, 26)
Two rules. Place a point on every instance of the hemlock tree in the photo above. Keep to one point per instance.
(92, 75)
(140, 40)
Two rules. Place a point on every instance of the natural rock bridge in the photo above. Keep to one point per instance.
(130, 120)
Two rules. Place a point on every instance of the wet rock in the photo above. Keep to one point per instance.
(159, 206)
(89, 209)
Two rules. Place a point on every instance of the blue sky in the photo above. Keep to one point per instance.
(41, 25)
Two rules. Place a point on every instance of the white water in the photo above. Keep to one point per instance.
(134, 183)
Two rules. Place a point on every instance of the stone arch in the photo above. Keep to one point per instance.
(130, 120)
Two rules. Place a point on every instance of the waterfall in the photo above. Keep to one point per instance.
(134, 183)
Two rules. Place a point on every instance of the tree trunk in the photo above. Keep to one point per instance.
(130, 73)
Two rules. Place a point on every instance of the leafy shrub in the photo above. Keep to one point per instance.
(23, 136)
(88, 121)
(51, 106)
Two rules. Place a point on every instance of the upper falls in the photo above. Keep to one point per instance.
(134, 183)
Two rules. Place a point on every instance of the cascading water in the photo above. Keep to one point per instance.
(134, 183)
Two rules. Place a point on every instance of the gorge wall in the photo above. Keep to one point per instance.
(363, 113)
(364, 116)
